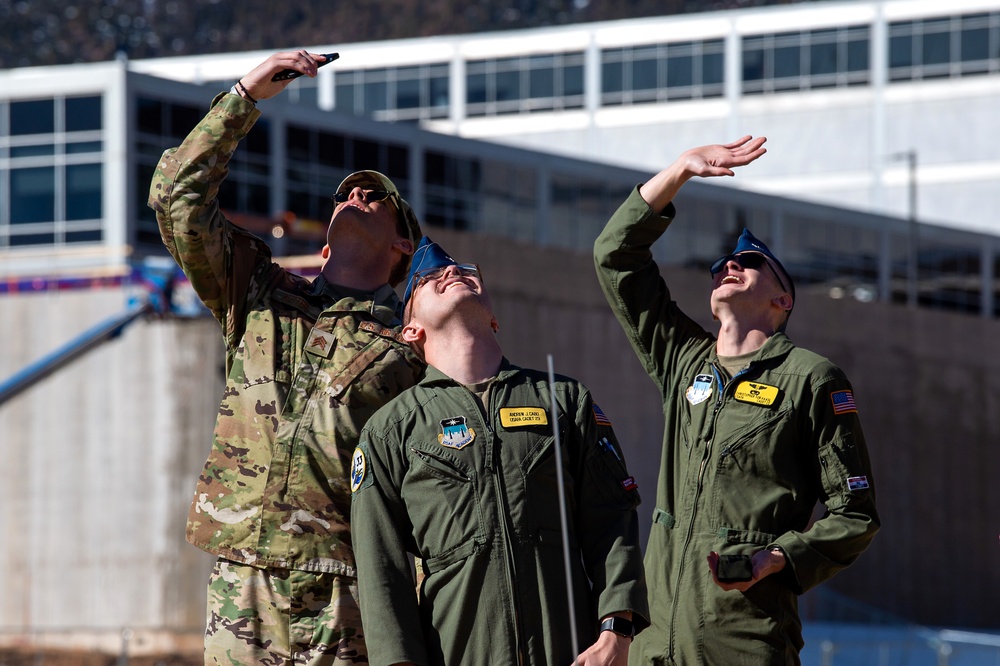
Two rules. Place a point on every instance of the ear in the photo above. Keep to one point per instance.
(783, 302)
(403, 245)
(413, 332)
(325, 252)
(494, 324)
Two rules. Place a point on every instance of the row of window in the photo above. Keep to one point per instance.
(797, 60)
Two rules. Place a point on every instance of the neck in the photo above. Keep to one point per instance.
(467, 355)
(741, 337)
(357, 270)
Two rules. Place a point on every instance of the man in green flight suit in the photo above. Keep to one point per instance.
(307, 363)
(460, 471)
(757, 432)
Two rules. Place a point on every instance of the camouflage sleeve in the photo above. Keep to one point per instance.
(608, 525)
(225, 264)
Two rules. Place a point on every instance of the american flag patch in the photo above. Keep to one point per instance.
(600, 417)
(843, 402)
(857, 483)
(630, 484)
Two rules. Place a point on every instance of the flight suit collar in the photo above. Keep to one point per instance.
(775, 347)
(434, 376)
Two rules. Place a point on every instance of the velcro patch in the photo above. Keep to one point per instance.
(320, 342)
(857, 483)
(381, 331)
(757, 394)
(519, 417)
(359, 470)
(630, 484)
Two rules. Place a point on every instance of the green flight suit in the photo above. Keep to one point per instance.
(744, 462)
(308, 363)
(476, 498)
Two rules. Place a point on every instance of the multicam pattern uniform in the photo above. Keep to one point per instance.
(307, 365)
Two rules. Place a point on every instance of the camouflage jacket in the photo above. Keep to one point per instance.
(307, 364)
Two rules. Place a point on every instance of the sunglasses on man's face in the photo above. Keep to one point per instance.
(430, 274)
(746, 260)
(369, 196)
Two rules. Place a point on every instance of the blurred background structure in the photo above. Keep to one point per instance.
(514, 147)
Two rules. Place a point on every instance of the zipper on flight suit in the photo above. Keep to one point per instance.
(709, 440)
(506, 529)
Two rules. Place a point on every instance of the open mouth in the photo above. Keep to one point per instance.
(731, 279)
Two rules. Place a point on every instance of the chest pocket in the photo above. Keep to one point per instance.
(440, 496)
(265, 350)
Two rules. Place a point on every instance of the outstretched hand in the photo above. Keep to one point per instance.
(705, 161)
(258, 83)
(719, 160)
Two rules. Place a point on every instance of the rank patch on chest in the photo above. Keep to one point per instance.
(320, 343)
(358, 468)
(700, 390)
(756, 394)
(520, 417)
(455, 433)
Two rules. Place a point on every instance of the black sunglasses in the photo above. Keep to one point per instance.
(369, 196)
(428, 274)
(746, 260)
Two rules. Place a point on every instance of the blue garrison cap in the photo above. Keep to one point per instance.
(750, 243)
(428, 255)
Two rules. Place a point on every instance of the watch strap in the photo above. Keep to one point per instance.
(619, 625)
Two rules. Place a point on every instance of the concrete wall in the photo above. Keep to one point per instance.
(99, 461)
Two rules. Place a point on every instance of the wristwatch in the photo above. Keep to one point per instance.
(620, 626)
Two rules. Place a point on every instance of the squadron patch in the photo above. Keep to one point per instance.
(359, 468)
(700, 390)
(519, 417)
(455, 433)
(756, 394)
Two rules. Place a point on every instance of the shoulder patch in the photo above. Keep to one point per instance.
(360, 478)
(843, 402)
(599, 416)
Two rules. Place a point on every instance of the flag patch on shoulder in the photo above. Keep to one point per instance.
(843, 402)
(599, 416)
(857, 483)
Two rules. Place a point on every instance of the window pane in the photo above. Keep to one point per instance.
(344, 98)
(33, 239)
(611, 77)
(475, 89)
(753, 65)
(83, 113)
(88, 236)
(508, 86)
(573, 80)
(32, 151)
(439, 91)
(644, 75)
(786, 62)
(149, 115)
(975, 44)
(83, 191)
(937, 48)
(408, 94)
(541, 82)
(32, 195)
(679, 74)
(83, 147)
(823, 59)
(901, 51)
(857, 55)
(376, 97)
(35, 117)
(711, 69)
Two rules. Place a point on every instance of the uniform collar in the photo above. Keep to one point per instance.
(434, 377)
(776, 346)
(381, 304)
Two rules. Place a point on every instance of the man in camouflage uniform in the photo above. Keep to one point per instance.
(307, 364)
(461, 471)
